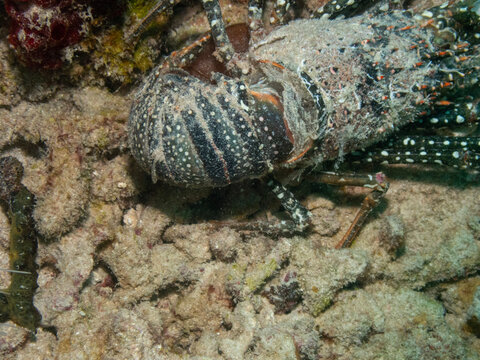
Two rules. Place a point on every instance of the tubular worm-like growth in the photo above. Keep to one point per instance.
(16, 302)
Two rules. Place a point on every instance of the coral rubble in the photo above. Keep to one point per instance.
(136, 270)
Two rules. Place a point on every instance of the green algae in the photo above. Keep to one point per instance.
(113, 54)
(260, 274)
(120, 59)
(321, 304)
(140, 8)
(142, 57)
(117, 57)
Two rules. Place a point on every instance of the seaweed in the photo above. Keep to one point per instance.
(16, 302)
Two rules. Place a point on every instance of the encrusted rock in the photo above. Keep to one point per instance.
(322, 273)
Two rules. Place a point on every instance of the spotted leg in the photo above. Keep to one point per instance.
(377, 183)
(185, 56)
(335, 8)
(299, 214)
(457, 152)
(214, 14)
(281, 13)
(254, 20)
(219, 33)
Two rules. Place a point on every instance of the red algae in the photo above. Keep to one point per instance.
(41, 29)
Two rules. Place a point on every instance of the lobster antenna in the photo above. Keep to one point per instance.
(16, 271)
(159, 7)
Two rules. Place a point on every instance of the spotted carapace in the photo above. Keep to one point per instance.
(310, 92)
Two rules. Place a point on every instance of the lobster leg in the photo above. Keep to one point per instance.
(457, 152)
(255, 11)
(336, 8)
(376, 182)
(219, 33)
(300, 215)
(185, 56)
(215, 19)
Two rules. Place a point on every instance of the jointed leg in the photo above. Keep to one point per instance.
(185, 56)
(300, 215)
(214, 14)
(458, 152)
(255, 10)
(376, 182)
(219, 34)
(281, 9)
(335, 8)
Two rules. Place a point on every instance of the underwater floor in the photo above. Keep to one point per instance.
(128, 269)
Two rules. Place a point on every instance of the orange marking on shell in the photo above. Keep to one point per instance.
(267, 98)
(272, 63)
(427, 23)
(462, 45)
(276, 102)
(188, 48)
(299, 156)
(288, 131)
(222, 160)
(444, 103)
